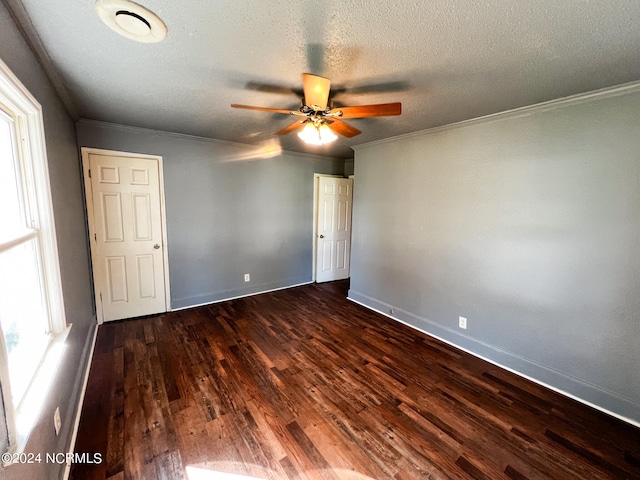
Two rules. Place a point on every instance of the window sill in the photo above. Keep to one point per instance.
(34, 400)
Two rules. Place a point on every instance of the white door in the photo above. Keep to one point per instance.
(335, 198)
(126, 225)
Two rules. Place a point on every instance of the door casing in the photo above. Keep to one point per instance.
(86, 152)
(316, 195)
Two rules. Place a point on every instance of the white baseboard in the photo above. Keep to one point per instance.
(233, 295)
(76, 423)
(576, 389)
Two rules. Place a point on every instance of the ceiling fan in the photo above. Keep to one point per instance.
(320, 121)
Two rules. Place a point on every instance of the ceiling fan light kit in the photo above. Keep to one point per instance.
(322, 121)
(131, 20)
(317, 134)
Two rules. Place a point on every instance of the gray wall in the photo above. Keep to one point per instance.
(65, 176)
(348, 167)
(230, 211)
(529, 226)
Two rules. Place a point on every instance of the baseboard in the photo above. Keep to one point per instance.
(208, 299)
(87, 357)
(577, 389)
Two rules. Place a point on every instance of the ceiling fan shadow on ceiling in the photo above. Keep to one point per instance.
(319, 121)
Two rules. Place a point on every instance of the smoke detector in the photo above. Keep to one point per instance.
(131, 20)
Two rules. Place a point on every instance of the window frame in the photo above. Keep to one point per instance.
(26, 112)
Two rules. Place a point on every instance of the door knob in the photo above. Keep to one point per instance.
(156, 246)
(321, 236)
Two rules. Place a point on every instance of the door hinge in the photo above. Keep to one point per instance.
(95, 237)
(89, 173)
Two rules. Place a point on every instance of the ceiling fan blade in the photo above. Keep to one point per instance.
(264, 109)
(316, 90)
(343, 128)
(290, 128)
(384, 87)
(362, 111)
(271, 88)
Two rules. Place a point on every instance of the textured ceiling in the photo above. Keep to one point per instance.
(445, 60)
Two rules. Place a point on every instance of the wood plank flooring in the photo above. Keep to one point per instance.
(303, 384)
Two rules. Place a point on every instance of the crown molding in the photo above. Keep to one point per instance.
(624, 89)
(25, 26)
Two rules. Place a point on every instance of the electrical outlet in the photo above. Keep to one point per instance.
(57, 423)
(391, 311)
(247, 277)
(462, 322)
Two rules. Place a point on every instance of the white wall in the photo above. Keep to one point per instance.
(527, 224)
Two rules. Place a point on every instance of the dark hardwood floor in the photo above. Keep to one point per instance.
(302, 383)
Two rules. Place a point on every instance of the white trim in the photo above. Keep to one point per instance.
(32, 155)
(241, 296)
(90, 224)
(165, 242)
(5, 395)
(22, 238)
(47, 371)
(31, 36)
(86, 152)
(76, 422)
(577, 99)
(498, 364)
(32, 402)
(20, 97)
(316, 185)
(15, 96)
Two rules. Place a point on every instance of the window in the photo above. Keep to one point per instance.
(32, 320)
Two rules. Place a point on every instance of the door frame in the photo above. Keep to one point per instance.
(86, 151)
(316, 193)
